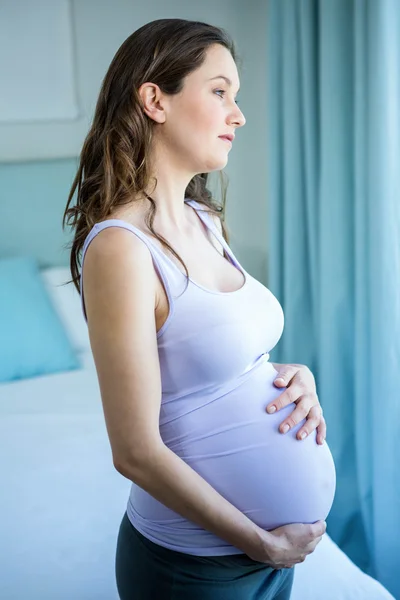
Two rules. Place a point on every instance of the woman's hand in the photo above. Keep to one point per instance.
(301, 390)
(286, 546)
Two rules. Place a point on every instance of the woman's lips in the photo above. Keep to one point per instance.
(225, 139)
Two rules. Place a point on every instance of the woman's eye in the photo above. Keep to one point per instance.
(223, 92)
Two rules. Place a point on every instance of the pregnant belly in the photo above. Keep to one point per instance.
(235, 445)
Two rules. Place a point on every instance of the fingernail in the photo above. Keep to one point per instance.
(285, 428)
(279, 380)
(303, 435)
(271, 409)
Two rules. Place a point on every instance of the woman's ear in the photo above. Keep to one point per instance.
(152, 101)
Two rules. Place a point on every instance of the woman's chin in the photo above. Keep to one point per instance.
(216, 165)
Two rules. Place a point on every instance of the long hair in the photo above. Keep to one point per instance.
(113, 165)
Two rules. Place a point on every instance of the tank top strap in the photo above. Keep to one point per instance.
(210, 224)
(160, 261)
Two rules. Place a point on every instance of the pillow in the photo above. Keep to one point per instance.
(32, 338)
(67, 303)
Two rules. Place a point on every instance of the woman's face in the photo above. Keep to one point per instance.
(202, 112)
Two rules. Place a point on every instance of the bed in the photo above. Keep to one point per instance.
(62, 500)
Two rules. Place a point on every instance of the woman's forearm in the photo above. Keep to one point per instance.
(170, 480)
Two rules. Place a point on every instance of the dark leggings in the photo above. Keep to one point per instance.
(147, 571)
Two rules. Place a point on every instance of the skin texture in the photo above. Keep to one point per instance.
(301, 389)
(186, 133)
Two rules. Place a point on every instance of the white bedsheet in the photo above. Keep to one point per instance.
(62, 501)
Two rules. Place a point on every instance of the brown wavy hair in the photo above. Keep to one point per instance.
(113, 165)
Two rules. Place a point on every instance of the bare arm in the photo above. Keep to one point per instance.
(119, 289)
(175, 484)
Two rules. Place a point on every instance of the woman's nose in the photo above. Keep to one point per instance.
(239, 118)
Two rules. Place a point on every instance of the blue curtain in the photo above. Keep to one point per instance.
(333, 118)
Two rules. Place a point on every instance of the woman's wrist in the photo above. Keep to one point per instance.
(261, 545)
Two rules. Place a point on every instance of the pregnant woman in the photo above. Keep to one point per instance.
(222, 504)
